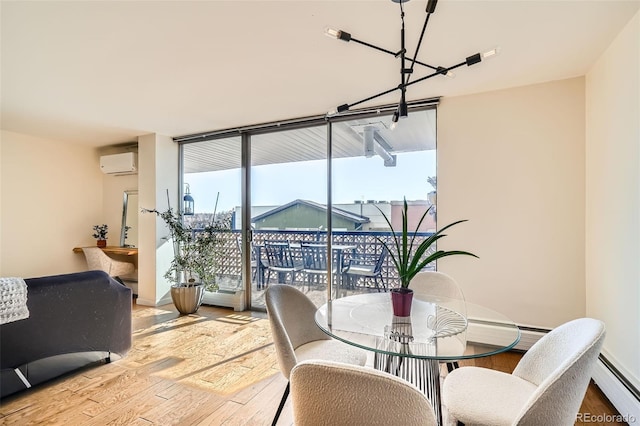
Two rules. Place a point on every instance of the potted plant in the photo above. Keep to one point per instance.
(100, 234)
(410, 257)
(193, 267)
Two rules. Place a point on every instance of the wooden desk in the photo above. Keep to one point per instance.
(124, 251)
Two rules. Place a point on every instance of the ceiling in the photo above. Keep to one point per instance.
(104, 72)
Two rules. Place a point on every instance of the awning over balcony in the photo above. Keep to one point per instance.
(415, 133)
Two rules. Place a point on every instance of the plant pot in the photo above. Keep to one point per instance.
(102, 243)
(187, 298)
(401, 299)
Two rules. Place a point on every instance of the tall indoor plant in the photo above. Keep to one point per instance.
(193, 267)
(410, 257)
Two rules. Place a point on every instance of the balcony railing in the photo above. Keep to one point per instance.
(368, 242)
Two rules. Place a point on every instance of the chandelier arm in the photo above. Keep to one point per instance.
(374, 96)
(373, 46)
(413, 61)
(394, 54)
(440, 71)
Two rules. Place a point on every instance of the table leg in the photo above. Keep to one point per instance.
(423, 373)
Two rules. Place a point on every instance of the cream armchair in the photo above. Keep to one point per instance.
(97, 260)
(546, 387)
(337, 394)
(297, 337)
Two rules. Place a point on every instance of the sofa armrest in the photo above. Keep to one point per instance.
(70, 313)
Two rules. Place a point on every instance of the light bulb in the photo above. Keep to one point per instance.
(449, 74)
(332, 32)
(491, 53)
(337, 34)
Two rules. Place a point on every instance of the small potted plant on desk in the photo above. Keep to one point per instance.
(100, 234)
(410, 257)
(193, 267)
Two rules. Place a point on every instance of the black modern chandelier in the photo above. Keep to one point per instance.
(406, 69)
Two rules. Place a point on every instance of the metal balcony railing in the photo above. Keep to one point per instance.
(230, 259)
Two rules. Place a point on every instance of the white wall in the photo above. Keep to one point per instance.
(512, 162)
(158, 158)
(613, 198)
(51, 198)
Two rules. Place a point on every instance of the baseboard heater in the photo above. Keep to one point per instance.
(619, 390)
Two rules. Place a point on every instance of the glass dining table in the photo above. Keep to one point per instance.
(413, 347)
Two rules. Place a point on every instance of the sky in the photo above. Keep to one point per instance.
(355, 178)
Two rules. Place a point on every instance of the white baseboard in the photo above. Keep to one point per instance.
(528, 338)
(491, 333)
(147, 302)
(620, 396)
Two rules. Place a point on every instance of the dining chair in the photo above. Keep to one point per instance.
(297, 337)
(365, 265)
(441, 289)
(546, 387)
(98, 260)
(280, 259)
(338, 394)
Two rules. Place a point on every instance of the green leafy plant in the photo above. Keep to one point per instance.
(410, 257)
(100, 232)
(195, 250)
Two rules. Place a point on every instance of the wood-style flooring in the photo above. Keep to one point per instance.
(216, 367)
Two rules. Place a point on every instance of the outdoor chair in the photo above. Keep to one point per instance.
(364, 265)
(314, 258)
(258, 265)
(297, 337)
(337, 394)
(546, 387)
(280, 259)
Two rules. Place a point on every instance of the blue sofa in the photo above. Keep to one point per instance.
(74, 320)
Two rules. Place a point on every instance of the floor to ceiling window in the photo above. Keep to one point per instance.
(288, 194)
(373, 169)
(213, 179)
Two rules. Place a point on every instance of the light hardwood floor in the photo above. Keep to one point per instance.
(216, 367)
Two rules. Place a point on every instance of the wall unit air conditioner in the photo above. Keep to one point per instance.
(119, 164)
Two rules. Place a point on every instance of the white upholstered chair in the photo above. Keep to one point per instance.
(297, 337)
(337, 394)
(99, 261)
(546, 387)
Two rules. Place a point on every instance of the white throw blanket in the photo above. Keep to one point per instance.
(13, 300)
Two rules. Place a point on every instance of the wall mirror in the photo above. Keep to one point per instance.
(129, 231)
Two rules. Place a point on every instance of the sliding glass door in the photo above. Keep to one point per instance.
(212, 177)
(293, 194)
(288, 198)
(374, 169)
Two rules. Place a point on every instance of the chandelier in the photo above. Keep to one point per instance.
(407, 63)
